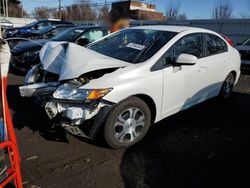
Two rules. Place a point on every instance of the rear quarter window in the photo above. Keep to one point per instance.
(215, 45)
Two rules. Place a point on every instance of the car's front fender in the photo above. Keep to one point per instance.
(124, 86)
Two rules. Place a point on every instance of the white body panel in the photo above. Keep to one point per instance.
(71, 60)
(5, 59)
(183, 87)
(171, 90)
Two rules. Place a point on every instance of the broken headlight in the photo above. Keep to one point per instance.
(71, 91)
(33, 75)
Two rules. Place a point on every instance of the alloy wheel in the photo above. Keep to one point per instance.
(228, 86)
(129, 125)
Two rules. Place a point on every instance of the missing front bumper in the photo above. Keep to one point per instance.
(77, 119)
(76, 112)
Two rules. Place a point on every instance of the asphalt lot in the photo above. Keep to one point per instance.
(206, 146)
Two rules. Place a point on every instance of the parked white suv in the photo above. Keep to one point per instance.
(133, 78)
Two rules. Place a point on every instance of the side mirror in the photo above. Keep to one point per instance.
(186, 59)
(83, 41)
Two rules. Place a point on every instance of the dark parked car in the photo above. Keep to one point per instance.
(26, 54)
(244, 50)
(45, 32)
(37, 25)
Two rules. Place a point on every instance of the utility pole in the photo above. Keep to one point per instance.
(7, 9)
(0, 18)
(22, 7)
(60, 9)
(4, 15)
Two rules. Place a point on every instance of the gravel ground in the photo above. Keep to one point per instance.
(205, 146)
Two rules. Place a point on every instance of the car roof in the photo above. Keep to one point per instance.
(53, 20)
(49, 20)
(61, 25)
(84, 28)
(88, 27)
(171, 28)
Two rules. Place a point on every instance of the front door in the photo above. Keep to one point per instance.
(185, 85)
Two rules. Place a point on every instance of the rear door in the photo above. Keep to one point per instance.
(217, 61)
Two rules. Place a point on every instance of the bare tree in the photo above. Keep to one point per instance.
(16, 11)
(103, 12)
(82, 11)
(55, 13)
(223, 10)
(182, 17)
(14, 8)
(41, 12)
(77, 12)
(172, 12)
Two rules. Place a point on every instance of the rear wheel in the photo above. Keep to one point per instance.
(227, 86)
(127, 123)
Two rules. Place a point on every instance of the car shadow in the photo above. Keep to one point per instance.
(204, 146)
(25, 113)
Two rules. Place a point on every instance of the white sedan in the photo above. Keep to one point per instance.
(129, 80)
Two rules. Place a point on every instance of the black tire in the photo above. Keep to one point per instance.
(227, 86)
(109, 128)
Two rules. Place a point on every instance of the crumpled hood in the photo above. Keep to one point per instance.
(71, 60)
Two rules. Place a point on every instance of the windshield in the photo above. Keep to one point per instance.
(44, 30)
(70, 35)
(56, 31)
(133, 45)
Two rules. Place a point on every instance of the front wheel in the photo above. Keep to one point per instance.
(227, 86)
(127, 123)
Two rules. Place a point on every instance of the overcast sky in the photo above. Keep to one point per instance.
(194, 9)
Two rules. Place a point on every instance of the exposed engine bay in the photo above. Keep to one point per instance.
(41, 85)
(57, 84)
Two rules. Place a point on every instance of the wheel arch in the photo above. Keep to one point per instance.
(234, 73)
(151, 104)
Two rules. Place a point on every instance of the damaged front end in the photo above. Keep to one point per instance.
(39, 84)
(62, 61)
(80, 111)
(57, 83)
(79, 119)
